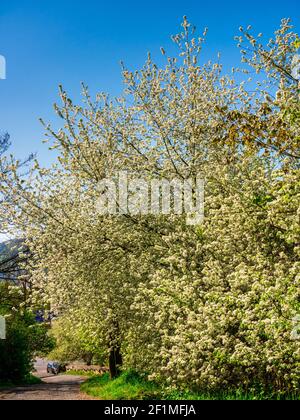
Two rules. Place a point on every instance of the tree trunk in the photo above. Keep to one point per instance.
(88, 359)
(115, 362)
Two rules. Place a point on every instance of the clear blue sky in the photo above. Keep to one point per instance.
(51, 42)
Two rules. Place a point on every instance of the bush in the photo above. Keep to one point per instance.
(24, 340)
(15, 352)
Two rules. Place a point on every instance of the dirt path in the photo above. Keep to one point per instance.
(64, 387)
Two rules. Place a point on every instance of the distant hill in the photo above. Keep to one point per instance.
(9, 259)
(10, 248)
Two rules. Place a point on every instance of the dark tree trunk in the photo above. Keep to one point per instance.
(88, 359)
(115, 362)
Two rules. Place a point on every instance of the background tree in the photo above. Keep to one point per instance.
(25, 339)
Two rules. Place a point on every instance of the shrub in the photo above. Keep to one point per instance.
(15, 352)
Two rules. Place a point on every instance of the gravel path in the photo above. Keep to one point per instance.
(64, 387)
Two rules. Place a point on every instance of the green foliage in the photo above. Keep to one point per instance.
(15, 351)
(24, 339)
(40, 341)
(132, 386)
(128, 386)
(73, 343)
(297, 43)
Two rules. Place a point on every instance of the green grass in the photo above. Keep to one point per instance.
(30, 380)
(128, 386)
(131, 386)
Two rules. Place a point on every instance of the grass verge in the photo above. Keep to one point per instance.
(131, 386)
(128, 386)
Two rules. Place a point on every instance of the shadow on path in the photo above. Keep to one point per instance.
(62, 387)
